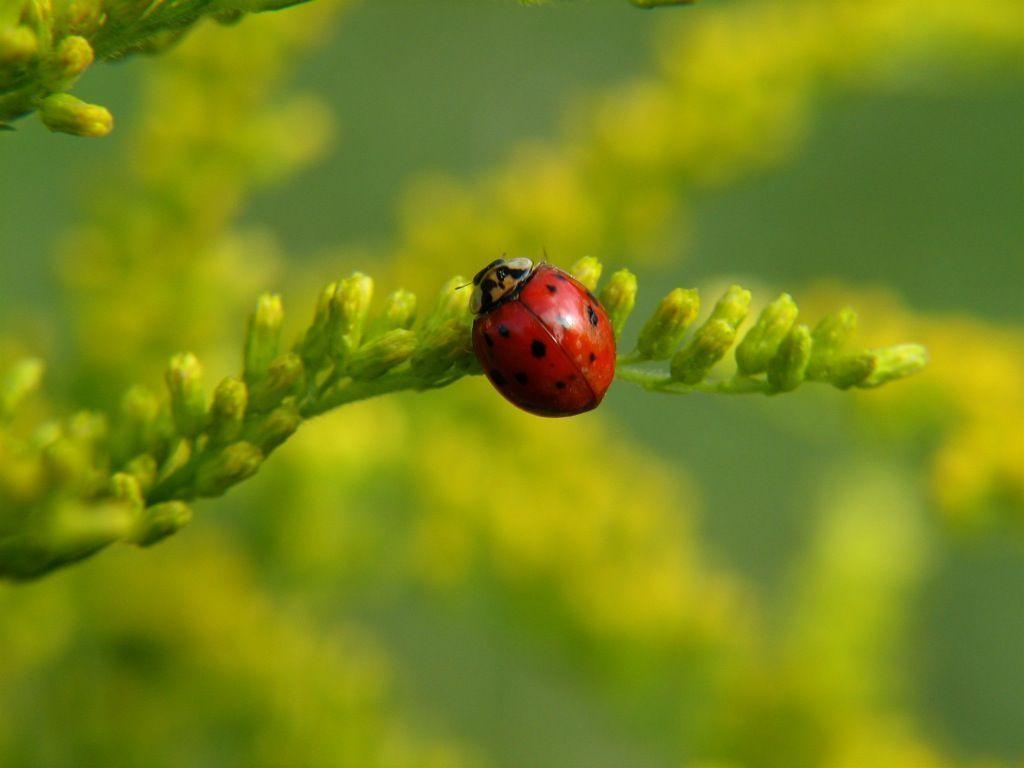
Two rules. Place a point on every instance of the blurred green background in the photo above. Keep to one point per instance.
(916, 187)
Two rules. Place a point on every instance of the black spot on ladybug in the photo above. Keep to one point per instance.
(503, 331)
(593, 357)
(497, 377)
(559, 385)
(488, 339)
(522, 378)
(560, 277)
(552, 288)
(538, 349)
(592, 315)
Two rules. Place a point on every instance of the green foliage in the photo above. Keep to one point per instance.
(70, 488)
(46, 45)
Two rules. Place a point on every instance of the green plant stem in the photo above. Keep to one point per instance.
(659, 381)
(348, 391)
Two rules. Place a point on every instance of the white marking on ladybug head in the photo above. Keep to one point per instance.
(497, 280)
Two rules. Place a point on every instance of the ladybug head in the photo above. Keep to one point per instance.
(497, 280)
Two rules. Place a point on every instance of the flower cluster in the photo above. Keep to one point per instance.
(45, 47)
(776, 354)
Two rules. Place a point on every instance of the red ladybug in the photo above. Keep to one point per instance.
(543, 339)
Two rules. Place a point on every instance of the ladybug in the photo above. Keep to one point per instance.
(543, 339)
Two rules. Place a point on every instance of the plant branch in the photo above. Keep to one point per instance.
(70, 488)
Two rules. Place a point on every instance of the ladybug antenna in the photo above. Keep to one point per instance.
(464, 285)
(544, 252)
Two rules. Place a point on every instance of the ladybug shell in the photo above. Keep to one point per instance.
(550, 349)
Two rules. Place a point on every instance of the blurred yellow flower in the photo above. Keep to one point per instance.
(970, 402)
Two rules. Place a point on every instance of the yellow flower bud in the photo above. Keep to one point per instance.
(896, 362)
(188, 400)
(618, 298)
(588, 271)
(74, 56)
(762, 341)
(263, 336)
(230, 400)
(379, 356)
(829, 338)
(160, 521)
(284, 377)
(664, 331)
(276, 427)
(233, 464)
(64, 113)
(787, 368)
(399, 310)
(347, 315)
(693, 362)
